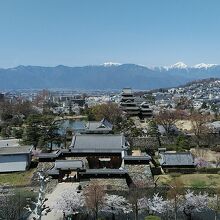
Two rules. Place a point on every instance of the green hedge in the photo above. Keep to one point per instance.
(180, 170)
(192, 170)
(210, 170)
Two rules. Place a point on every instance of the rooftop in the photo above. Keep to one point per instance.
(9, 143)
(134, 158)
(98, 143)
(103, 125)
(176, 159)
(105, 171)
(53, 154)
(69, 164)
(15, 150)
(127, 91)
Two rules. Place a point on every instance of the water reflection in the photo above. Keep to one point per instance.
(71, 125)
(66, 128)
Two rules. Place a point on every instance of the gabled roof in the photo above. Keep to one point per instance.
(86, 143)
(176, 159)
(107, 124)
(103, 125)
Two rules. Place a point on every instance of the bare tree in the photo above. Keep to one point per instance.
(110, 111)
(199, 127)
(94, 197)
(136, 197)
(167, 119)
(217, 161)
(175, 194)
(184, 103)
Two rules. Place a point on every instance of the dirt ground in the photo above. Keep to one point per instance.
(206, 154)
(184, 125)
(136, 153)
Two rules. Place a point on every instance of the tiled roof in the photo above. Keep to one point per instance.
(50, 155)
(104, 171)
(176, 159)
(98, 143)
(68, 164)
(134, 158)
(98, 126)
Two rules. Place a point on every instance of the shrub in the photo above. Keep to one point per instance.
(182, 142)
(79, 187)
(216, 148)
(17, 133)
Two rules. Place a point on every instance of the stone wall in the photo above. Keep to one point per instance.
(148, 142)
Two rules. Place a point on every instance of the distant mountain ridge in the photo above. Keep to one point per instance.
(103, 77)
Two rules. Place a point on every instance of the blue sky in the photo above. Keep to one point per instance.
(83, 32)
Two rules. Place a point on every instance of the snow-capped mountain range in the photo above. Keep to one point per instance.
(178, 65)
(181, 65)
(111, 64)
(109, 75)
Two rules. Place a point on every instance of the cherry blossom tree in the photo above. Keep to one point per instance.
(157, 204)
(115, 205)
(13, 202)
(70, 202)
(214, 203)
(194, 203)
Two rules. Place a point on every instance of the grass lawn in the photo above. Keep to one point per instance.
(17, 179)
(192, 180)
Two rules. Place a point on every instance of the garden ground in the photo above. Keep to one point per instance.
(17, 178)
(191, 180)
